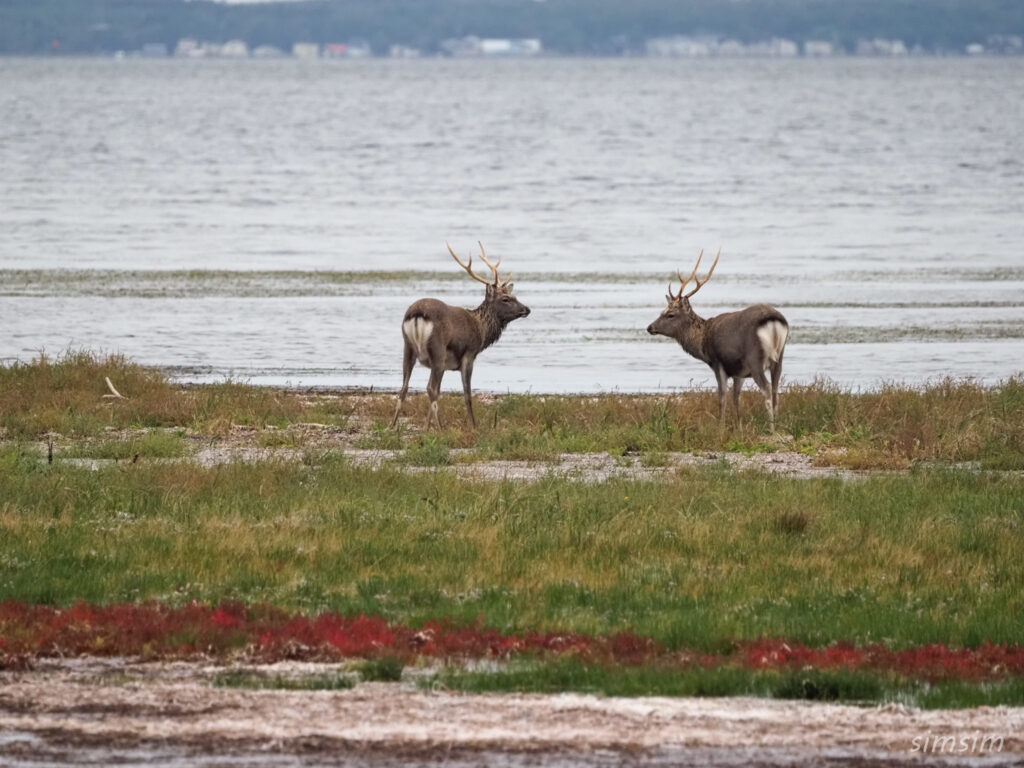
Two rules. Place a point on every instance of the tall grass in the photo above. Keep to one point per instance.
(700, 560)
(893, 427)
(66, 395)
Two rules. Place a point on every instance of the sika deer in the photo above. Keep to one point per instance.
(446, 338)
(739, 344)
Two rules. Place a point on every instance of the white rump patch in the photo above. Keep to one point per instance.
(773, 336)
(417, 332)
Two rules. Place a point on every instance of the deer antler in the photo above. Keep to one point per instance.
(494, 267)
(498, 282)
(693, 275)
(469, 267)
(684, 280)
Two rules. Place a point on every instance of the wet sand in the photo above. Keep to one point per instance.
(114, 711)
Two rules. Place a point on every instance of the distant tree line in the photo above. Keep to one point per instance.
(586, 27)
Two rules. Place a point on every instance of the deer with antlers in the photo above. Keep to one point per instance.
(446, 338)
(737, 345)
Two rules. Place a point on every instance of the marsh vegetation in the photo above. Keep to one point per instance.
(697, 561)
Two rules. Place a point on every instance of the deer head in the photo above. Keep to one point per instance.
(499, 298)
(678, 316)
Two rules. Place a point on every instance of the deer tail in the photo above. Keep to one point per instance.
(773, 336)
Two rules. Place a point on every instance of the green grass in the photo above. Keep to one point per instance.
(384, 669)
(248, 680)
(428, 450)
(957, 695)
(699, 560)
(860, 687)
(571, 675)
(380, 437)
(151, 445)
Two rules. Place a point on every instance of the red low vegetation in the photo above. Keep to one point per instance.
(154, 631)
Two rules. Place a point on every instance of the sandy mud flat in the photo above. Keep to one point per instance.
(114, 711)
(242, 444)
(586, 467)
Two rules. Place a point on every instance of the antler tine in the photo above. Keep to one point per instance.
(696, 266)
(684, 280)
(494, 267)
(706, 277)
(468, 267)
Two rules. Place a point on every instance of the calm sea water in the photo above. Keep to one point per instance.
(198, 215)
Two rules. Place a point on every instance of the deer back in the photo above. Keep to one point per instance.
(441, 332)
(738, 341)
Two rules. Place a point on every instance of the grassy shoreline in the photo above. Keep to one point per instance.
(892, 428)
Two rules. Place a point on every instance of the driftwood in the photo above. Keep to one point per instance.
(114, 394)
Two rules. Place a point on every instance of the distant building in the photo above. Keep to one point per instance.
(267, 52)
(784, 48)
(188, 48)
(471, 45)
(681, 47)
(359, 49)
(881, 47)
(354, 49)
(776, 48)
(731, 49)
(403, 52)
(495, 47)
(306, 50)
(818, 49)
(513, 47)
(235, 49)
(1007, 45)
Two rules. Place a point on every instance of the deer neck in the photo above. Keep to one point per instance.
(491, 325)
(692, 337)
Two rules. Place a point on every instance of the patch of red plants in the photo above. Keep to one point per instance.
(151, 630)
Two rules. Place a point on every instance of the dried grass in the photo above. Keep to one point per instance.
(891, 428)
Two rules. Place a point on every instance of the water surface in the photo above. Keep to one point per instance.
(271, 220)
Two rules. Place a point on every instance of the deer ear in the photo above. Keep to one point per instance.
(508, 287)
(668, 298)
(490, 290)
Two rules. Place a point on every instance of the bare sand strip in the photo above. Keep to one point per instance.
(106, 711)
(583, 467)
(586, 467)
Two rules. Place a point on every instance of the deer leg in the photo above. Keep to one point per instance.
(433, 392)
(723, 385)
(776, 371)
(766, 390)
(737, 384)
(467, 375)
(408, 361)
